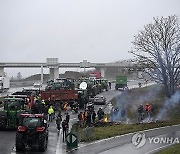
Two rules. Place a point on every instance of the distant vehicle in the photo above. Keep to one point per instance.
(121, 82)
(4, 84)
(99, 100)
(37, 85)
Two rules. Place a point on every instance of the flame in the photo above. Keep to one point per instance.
(105, 119)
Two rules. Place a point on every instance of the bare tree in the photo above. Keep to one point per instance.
(157, 49)
(19, 76)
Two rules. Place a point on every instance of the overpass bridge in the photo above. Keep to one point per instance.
(54, 65)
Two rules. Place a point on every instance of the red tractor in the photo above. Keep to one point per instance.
(32, 132)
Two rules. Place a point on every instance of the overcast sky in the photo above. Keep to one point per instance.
(73, 30)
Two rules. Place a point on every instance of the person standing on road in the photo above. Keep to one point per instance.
(65, 127)
(58, 122)
(45, 111)
(50, 113)
(80, 119)
(109, 85)
(67, 117)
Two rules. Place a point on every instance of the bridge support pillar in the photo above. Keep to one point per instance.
(54, 73)
(102, 70)
(41, 73)
(1, 71)
(52, 63)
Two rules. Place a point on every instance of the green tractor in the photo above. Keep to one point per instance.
(10, 115)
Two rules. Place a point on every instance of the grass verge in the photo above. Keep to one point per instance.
(97, 133)
(175, 149)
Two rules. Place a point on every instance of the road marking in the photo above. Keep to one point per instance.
(58, 143)
(121, 136)
(157, 149)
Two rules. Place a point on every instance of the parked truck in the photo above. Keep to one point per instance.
(4, 84)
(121, 82)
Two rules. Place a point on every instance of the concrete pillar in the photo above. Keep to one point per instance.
(41, 73)
(54, 73)
(1, 71)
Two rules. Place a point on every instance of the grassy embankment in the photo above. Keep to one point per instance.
(132, 99)
(175, 149)
(97, 133)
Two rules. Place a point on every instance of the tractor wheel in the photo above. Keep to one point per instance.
(2, 124)
(42, 142)
(19, 142)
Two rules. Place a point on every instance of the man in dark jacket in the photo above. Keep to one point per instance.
(58, 122)
(100, 114)
(65, 127)
(67, 117)
(88, 119)
(93, 117)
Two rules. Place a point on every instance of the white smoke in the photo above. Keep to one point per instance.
(124, 100)
(170, 103)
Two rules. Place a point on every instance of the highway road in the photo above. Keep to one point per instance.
(55, 144)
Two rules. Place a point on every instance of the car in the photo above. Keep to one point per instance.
(99, 100)
(32, 132)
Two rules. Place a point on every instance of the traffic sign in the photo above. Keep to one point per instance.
(71, 140)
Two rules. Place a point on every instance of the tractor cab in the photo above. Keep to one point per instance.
(32, 132)
(14, 104)
(9, 116)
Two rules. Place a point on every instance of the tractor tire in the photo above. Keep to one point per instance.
(42, 142)
(2, 124)
(19, 142)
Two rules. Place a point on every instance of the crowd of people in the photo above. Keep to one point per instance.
(145, 112)
(88, 117)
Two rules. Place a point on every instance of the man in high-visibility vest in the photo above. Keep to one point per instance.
(50, 113)
(65, 106)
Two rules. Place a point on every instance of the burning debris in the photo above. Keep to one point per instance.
(105, 119)
(105, 122)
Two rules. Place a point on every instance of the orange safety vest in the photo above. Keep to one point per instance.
(65, 106)
(82, 117)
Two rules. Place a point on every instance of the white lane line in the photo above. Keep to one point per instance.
(157, 149)
(58, 143)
